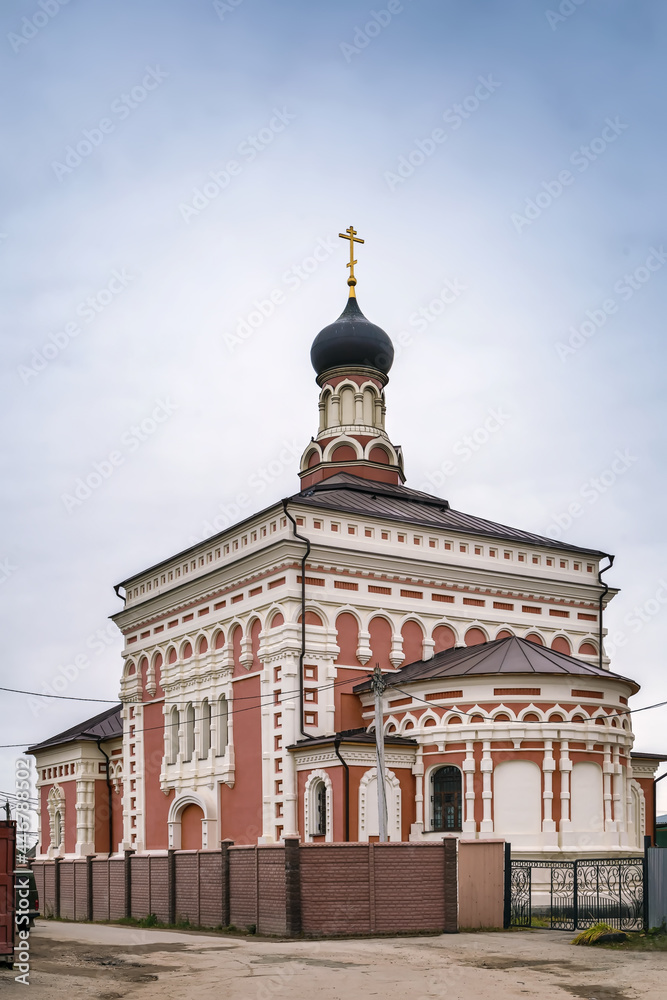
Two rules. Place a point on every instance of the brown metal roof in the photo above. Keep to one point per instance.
(503, 656)
(107, 725)
(351, 494)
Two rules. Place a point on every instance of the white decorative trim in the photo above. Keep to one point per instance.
(314, 779)
(393, 789)
(55, 804)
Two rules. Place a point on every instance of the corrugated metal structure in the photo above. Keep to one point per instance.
(657, 886)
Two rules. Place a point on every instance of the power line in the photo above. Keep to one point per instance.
(234, 711)
(62, 697)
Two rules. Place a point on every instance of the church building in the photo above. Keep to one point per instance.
(246, 711)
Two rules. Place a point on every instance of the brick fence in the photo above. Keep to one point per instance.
(287, 889)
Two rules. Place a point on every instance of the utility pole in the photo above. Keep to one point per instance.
(378, 688)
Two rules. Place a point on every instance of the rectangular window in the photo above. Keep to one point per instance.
(433, 543)
(522, 557)
(416, 594)
(417, 540)
(254, 591)
(346, 585)
(507, 555)
(317, 524)
(586, 618)
(188, 618)
(237, 598)
(583, 693)
(443, 695)
(557, 613)
(385, 536)
(444, 598)
(300, 520)
(277, 583)
(577, 565)
(478, 550)
(493, 553)
(334, 527)
(463, 547)
(550, 561)
(563, 564)
(372, 589)
(313, 581)
(502, 606)
(476, 602)
(448, 546)
(401, 537)
(218, 605)
(529, 610)
(351, 529)
(202, 611)
(368, 532)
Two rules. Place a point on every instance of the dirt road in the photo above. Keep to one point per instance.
(77, 961)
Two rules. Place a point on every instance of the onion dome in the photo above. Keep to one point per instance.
(352, 342)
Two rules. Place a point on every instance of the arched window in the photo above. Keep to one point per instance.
(57, 829)
(319, 827)
(222, 724)
(189, 732)
(205, 729)
(446, 799)
(173, 735)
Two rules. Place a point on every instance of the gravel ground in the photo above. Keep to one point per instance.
(77, 961)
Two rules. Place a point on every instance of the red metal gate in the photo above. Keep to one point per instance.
(7, 865)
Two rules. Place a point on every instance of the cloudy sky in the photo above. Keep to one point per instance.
(171, 167)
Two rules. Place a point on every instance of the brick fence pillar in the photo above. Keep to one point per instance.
(127, 872)
(292, 887)
(56, 887)
(171, 885)
(226, 888)
(89, 887)
(451, 886)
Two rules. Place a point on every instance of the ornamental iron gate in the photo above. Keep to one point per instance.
(573, 895)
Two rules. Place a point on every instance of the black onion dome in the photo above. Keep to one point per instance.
(352, 341)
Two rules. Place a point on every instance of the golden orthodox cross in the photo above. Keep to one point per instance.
(351, 235)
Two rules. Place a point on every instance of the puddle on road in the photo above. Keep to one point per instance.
(597, 992)
(324, 963)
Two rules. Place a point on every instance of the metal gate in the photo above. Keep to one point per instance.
(573, 895)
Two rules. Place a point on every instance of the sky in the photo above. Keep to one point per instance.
(173, 180)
